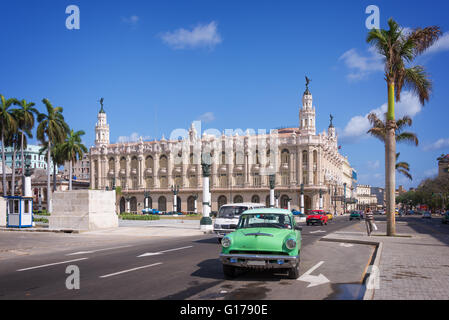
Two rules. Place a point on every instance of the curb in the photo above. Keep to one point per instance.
(369, 292)
(40, 230)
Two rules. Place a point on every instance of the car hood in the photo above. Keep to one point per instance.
(261, 239)
(315, 216)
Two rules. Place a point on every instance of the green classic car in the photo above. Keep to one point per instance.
(445, 219)
(265, 238)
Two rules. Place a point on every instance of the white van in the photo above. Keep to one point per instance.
(228, 217)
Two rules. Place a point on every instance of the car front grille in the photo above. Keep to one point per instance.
(274, 253)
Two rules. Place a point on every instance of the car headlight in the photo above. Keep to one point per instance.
(290, 244)
(226, 242)
(217, 226)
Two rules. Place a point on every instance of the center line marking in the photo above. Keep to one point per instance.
(51, 264)
(161, 252)
(97, 250)
(129, 270)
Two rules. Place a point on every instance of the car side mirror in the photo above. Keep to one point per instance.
(298, 228)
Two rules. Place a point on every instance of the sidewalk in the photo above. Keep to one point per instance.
(412, 266)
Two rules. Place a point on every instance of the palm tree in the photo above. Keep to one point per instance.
(73, 149)
(403, 167)
(379, 129)
(52, 130)
(57, 158)
(13, 140)
(400, 49)
(25, 116)
(7, 124)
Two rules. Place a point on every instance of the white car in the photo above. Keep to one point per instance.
(228, 217)
(427, 215)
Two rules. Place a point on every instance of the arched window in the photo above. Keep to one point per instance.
(223, 158)
(163, 161)
(133, 205)
(238, 199)
(162, 203)
(191, 204)
(149, 163)
(255, 199)
(284, 201)
(222, 200)
(285, 156)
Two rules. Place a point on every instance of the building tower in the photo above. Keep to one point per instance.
(307, 113)
(101, 128)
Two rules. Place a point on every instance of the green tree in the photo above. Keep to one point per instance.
(400, 49)
(73, 149)
(25, 117)
(7, 124)
(52, 130)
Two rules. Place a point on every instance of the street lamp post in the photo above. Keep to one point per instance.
(175, 190)
(27, 178)
(335, 201)
(289, 206)
(321, 199)
(277, 194)
(195, 198)
(206, 221)
(128, 199)
(302, 198)
(146, 198)
(272, 184)
(344, 205)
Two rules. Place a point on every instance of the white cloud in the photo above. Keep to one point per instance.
(362, 66)
(207, 117)
(199, 36)
(359, 125)
(441, 44)
(134, 137)
(373, 164)
(132, 20)
(439, 144)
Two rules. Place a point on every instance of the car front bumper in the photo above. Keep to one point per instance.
(220, 233)
(315, 220)
(259, 261)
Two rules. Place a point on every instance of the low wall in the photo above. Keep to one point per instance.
(83, 210)
(2, 212)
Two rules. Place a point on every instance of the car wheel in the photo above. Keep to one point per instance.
(219, 240)
(322, 222)
(350, 219)
(308, 224)
(293, 273)
(229, 271)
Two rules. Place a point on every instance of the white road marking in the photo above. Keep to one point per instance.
(93, 251)
(314, 280)
(130, 270)
(318, 231)
(161, 252)
(347, 245)
(51, 264)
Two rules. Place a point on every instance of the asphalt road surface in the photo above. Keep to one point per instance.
(178, 268)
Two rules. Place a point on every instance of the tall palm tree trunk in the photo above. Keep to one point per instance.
(4, 165)
(23, 160)
(390, 163)
(70, 175)
(13, 170)
(54, 176)
(49, 205)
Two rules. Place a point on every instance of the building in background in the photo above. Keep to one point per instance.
(38, 161)
(80, 169)
(364, 198)
(443, 165)
(241, 164)
(380, 195)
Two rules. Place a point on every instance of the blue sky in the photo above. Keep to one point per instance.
(235, 64)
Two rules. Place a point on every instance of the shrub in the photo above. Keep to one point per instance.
(131, 216)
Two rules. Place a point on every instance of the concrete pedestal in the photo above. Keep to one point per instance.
(2, 212)
(83, 210)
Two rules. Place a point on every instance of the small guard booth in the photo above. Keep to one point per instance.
(19, 212)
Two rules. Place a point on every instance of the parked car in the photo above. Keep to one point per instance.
(356, 215)
(329, 216)
(427, 215)
(265, 238)
(445, 218)
(316, 217)
(301, 218)
(150, 211)
(296, 212)
(228, 217)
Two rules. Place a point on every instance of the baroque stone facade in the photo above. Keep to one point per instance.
(240, 167)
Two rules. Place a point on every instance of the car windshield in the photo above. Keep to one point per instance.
(270, 220)
(315, 212)
(231, 212)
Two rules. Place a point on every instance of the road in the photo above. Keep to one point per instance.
(178, 268)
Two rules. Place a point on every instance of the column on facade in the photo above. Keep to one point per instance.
(170, 180)
(184, 167)
(299, 171)
(92, 171)
(310, 168)
(248, 162)
(320, 174)
(117, 170)
(141, 171)
(292, 169)
(128, 172)
(156, 183)
(215, 165)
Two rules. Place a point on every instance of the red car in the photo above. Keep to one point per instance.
(316, 216)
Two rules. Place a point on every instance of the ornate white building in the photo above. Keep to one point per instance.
(300, 158)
